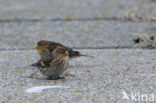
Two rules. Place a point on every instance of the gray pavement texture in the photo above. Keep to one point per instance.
(100, 79)
(102, 28)
(80, 34)
(71, 9)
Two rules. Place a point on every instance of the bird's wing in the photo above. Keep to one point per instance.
(54, 45)
(72, 53)
(44, 62)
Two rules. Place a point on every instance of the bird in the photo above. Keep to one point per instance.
(45, 49)
(55, 65)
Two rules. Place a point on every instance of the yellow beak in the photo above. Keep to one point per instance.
(36, 46)
(66, 53)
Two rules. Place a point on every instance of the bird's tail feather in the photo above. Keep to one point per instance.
(77, 54)
(34, 64)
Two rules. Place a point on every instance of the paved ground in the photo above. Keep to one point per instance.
(102, 28)
(70, 9)
(101, 79)
(83, 34)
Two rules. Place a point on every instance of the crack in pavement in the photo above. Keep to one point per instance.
(74, 19)
(94, 48)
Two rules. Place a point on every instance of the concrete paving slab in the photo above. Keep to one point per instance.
(91, 80)
(71, 10)
(81, 34)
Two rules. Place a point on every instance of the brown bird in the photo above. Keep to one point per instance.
(45, 49)
(55, 65)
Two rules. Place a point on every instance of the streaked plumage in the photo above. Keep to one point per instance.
(53, 66)
(45, 49)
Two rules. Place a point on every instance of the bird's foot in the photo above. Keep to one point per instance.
(55, 78)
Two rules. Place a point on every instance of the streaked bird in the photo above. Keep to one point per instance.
(55, 65)
(45, 49)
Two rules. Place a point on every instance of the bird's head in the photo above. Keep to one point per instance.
(41, 45)
(60, 52)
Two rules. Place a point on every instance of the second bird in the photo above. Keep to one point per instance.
(45, 49)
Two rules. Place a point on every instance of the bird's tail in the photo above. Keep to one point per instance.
(37, 64)
(73, 54)
(34, 64)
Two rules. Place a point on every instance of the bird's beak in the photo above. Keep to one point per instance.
(66, 53)
(36, 46)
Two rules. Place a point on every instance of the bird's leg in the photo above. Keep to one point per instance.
(55, 78)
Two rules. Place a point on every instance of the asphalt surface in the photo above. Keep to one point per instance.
(99, 79)
(105, 29)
